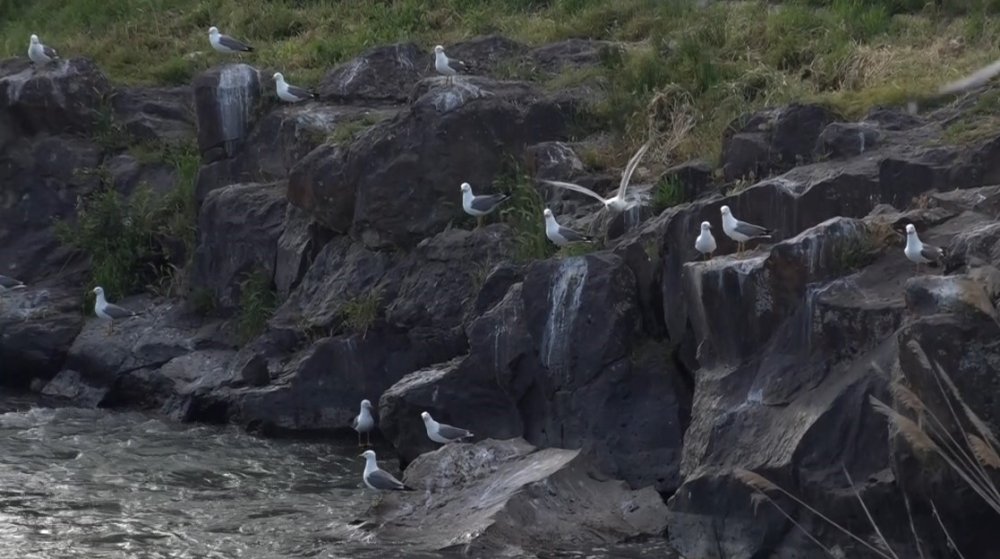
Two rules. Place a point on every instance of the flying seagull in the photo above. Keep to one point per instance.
(363, 422)
(443, 64)
(7, 283)
(479, 206)
(39, 53)
(225, 43)
(441, 433)
(705, 243)
(378, 479)
(560, 235)
(921, 253)
(289, 93)
(616, 202)
(107, 311)
(741, 231)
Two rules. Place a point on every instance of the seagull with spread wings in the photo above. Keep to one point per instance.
(618, 202)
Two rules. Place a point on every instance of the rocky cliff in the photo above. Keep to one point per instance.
(664, 369)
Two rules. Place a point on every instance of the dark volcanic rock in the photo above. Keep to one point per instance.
(381, 74)
(164, 114)
(37, 328)
(538, 499)
(484, 55)
(772, 140)
(65, 97)
(226, 102)
(238, 231)
(313, 186)
(302, 237)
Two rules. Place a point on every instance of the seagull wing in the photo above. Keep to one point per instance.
(300, 92)
(452, 433)
(630, 169)
(114, 311)
(50, 52)
(931, 253)
(384, 481)
(7, 282)
(232, 44)
(488, 202)
(751, 230)
(577, 188)
(572, 236)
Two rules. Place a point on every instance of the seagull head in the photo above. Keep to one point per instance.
(705, 226)
(724, 210)
(368, 455)
(99, 291)
(547, 213)
(366, 404)
(910, 229)
(34, 39)
(425, 416)
(466, 187)
(439, 50)
(213, 30)
(278, 77)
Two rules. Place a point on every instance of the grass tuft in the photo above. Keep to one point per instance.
(258, 300)
(361, 312)
(668, 193)
(523, 214)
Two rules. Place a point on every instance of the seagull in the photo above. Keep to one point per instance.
(441, 433)
(363, 422)
(705, 243)
(921, 253)
(39, 53)
(290, 93)
(378, 479)
(616, 202)
(560, 235)
(225, 43)
(479, 206)
(107, 311)
(443, 64)
(741, 231)
(7, 283)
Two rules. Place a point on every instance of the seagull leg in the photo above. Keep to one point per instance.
(479, 221)
(368, 438)
(359, 439)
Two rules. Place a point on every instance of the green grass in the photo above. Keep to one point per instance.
(258, 301)
(361, 312)
(523, 214)
(346, 132)
(668, 193)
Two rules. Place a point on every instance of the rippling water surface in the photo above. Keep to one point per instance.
(94, 484)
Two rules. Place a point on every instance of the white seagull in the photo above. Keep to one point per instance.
(443, 64)
(705, 243)
(560, 235)
(289, 93)
(919, 252)
(741, 231)
(617, 202)
(225, 43)
(478, 206)
(441, 433)
(363, 422)
(378, 479)
(107, 311)
(39, 53)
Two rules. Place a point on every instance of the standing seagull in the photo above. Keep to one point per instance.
(921, 253)
(560, 235)
(617, 202)
(443, 64)
(39, 53)
(225, 43)
(107, 311)
(378, 479)
(479, 206)
(705, 243)
(363, 422)
(289, 93)
(741, 231)
(441, 433)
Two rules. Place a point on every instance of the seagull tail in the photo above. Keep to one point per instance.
(407, 488)
(249, 49)
(20, 286)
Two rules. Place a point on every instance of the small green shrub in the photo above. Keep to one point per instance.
(668, 193)
(523, 214)
(258, 301)
(361, 312)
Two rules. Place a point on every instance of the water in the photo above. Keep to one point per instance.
(94, 484)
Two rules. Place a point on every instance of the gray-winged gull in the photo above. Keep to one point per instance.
(741, 231)
(705, 243)
(225, 43)
(443, 64)
(290, 93)
(479, 206)
(7, 283)
(560, 235)
(107, 311)
(364, 422)
(39, 53)
(616, 202)
(379, 479)
(441, 433)
(919, 252)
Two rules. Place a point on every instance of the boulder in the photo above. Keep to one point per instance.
(536, 499)
(381, 74)
(314, 187)
(238, 231)
(66, 97)
(486, 55)
(302, 237)
(553, 161)
(156, 114)
(847, 139)
(226, 102)
(555, 58)
(37, 328)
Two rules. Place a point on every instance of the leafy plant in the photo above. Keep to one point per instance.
(668, 193)
(258, 301)
(361, 312)
(523, 213)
